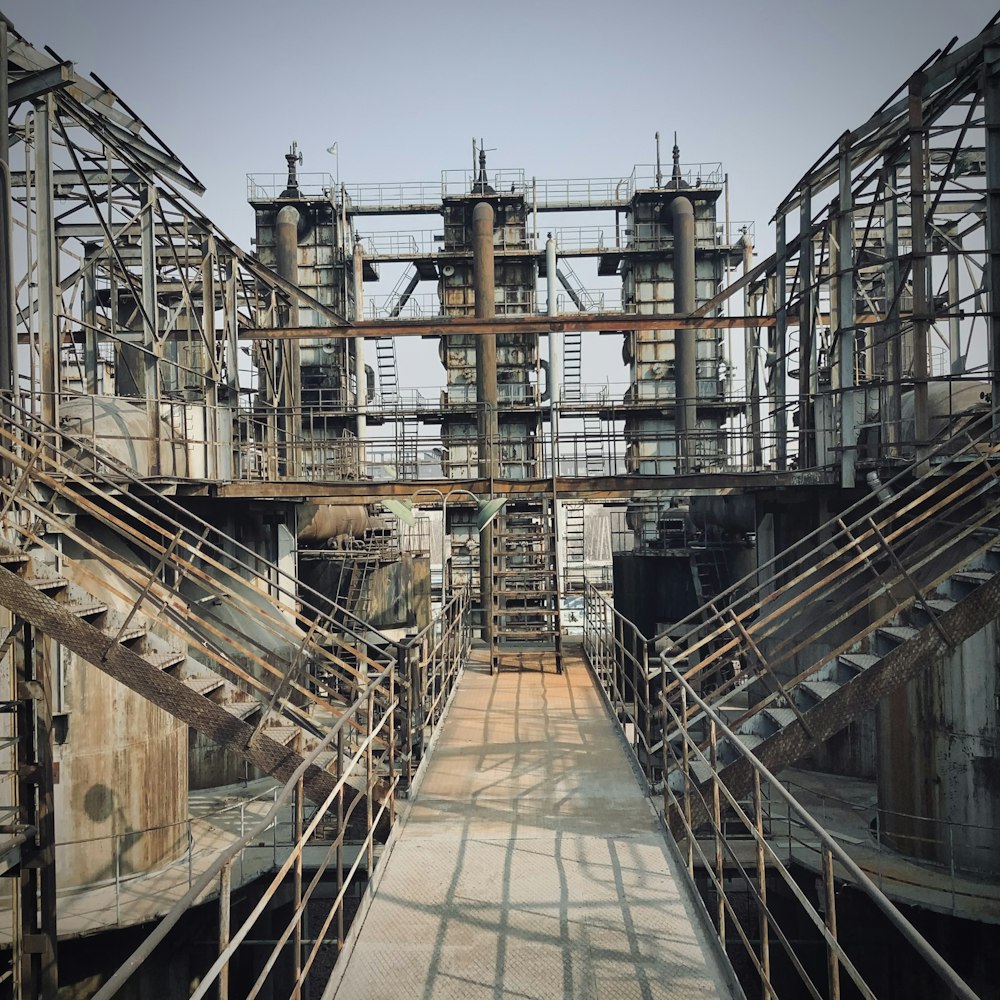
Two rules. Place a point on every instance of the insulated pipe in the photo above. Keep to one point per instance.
(286, 253)
(483, 281)
(685, 341)
(554, 382)
(360, 376)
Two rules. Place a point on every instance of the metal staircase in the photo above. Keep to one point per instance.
(526, 586)
(847, 616)
(581, 298)
(250, 695)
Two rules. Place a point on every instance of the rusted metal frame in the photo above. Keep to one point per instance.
(279, 876)
(917, 592)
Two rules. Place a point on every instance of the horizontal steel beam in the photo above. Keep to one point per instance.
(443, 326)
(72, 178)
(594, 488)
(27, 88)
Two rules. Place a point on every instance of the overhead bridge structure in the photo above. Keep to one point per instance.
(536, 681)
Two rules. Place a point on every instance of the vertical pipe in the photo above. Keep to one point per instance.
(486, 391)
(48, 333)
(91, 362)
(846, 333)
(288, 380)
(555, 351)
(360, 376)
(919, 276)
(686, 340)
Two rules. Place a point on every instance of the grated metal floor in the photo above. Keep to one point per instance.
(529, 864)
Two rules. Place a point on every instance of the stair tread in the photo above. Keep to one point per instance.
(822, 689)
(241, 709)
(83, 607)
(46, 582)
(862, 660)
(901, 633)
(783, 716)
(203, 685)
(166, 658)
(938, 604)
(974, 576)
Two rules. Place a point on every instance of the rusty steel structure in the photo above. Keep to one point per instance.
(204, 453)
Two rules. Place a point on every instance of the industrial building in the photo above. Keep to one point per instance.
(249, 570)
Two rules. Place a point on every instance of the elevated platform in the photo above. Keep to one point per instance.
(529, 864)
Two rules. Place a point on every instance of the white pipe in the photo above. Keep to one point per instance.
(555, 348)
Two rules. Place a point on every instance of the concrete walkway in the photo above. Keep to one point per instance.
(529, 864)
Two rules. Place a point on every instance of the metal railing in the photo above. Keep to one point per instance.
(620, 658)
(266, 186)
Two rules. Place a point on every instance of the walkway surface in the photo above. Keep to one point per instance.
(529, 864)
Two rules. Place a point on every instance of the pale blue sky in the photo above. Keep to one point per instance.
(560, 89)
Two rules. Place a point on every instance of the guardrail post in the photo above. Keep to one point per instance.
(225, 892)
(717, 823)
(391, 723)
(832, 960)
(765, 948)
(686, 771)
(340, 841)
(118, 881)
(369, 781)
(297, 895)
(648, 721)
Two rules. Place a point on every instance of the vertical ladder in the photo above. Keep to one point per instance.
(526, 592)
(572, 389)
(575, 546)
(593, 446)
(388, 376)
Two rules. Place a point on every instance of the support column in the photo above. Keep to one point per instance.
(48, 325)
(150, 332)
(846, 332)
(893, 335)
(779, 343)
(807, 444)
(8, 328)
(991, 98)
(957, 362)
(686, 340)
(486, 391)
(920, 260)
(751, 361)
